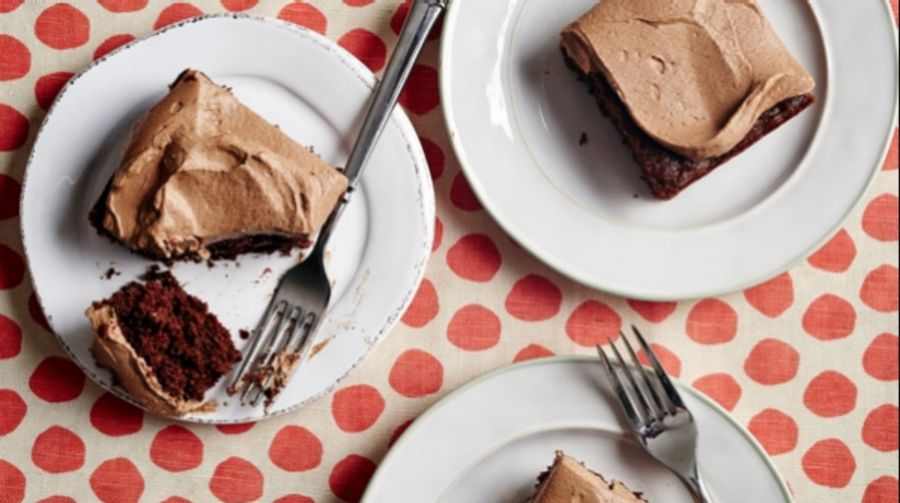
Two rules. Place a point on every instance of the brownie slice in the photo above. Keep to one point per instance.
(667, 172)
(185, 346)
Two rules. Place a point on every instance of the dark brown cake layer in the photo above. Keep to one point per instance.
(667, 172)
(186, 346)
(223, 250)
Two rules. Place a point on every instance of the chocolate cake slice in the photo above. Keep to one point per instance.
(689, 85)
(568, 480)
(204, 177)
(162, 344)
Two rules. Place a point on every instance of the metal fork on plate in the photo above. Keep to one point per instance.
(285, 335)
(657, 414)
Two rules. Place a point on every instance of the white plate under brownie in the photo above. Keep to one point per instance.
(516, 117)
(314, 91)
(488, 441)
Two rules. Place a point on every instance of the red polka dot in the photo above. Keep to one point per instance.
(10, 338)
(534, 298)
(177, 499)
(16, 60)
(10, 190)
(62, 499)
(722, 388)
(474, 328)
(358, 3)
(62, 26)
(475, 257)
(117, 481)
(773, 297)
(772, 362)
(438, 234)
(593, 323)
(435, 156)
(831, 394)
(885, 489)
(37, 314)
(367, 47)
(416, 374)
(399, 19)
(461, 195)
(14, 410)
(235, 429)
(58, 450)
(115, 417)
(829, 318)
(881, 220)
(236, 480)
(13, 132)
(57, 379)
(175, 13)
(239, 5)
(49, 86)
(123, 5)
(9, 5)
(830, 463)
(425, 306)
(111, 44)
(349, 478)
(881, 429)
(176, 449)
(420, 95)
(305, 15)
(296, 449)
(533, 352)
(891, 161)
(13, 482)
(399, 432)
(654, 312)
(837, 255)
(294, 498)
(669, 360)
(357, 408)
(712, 322)
(776, 431)
(882, 358)
(881, 289)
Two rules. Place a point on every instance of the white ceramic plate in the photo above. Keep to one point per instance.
(516, 115)
(317, 93)
(488, 441)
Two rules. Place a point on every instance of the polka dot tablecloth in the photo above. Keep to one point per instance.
(807, 361)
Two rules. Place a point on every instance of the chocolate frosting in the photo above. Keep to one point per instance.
(570, 482)
(695, 75)
(202, 168)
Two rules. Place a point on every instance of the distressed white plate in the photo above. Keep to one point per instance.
(489, 440)
(516, 115)
(314, 91)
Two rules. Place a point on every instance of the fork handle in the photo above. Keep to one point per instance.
(698, 488)
(423, 14)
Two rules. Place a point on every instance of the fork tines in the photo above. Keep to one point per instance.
(278, 345)
(648, 401)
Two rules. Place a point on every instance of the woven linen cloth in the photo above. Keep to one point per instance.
(807, 361)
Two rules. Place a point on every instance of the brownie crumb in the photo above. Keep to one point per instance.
(186, 346)
(583, 140)
(111, 272)
(244, 334)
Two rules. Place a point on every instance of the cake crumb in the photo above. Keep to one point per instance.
(244, 334)
(111, 272)
(583, 140)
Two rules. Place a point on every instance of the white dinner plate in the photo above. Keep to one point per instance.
(315, 92)
(517, 115)
(488, 441)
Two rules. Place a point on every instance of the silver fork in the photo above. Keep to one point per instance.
(285, 335)
(662, 423)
